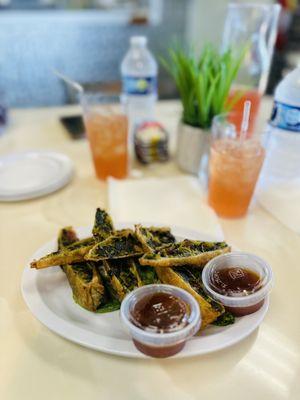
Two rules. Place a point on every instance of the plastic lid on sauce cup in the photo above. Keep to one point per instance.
(242, 260)
(160, 339)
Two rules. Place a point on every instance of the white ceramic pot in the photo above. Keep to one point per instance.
(192, 147)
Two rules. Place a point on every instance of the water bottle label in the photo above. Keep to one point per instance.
(139, 86)
(285, 117)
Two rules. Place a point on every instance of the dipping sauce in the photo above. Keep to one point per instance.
(160, 313)
(235, 281)
(240, 281)
(160, 318)
(241, 311)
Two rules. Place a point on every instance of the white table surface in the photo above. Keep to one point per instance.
(36, 364)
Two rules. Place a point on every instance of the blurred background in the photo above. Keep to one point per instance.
(87, 39)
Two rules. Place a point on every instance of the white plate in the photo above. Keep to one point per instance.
(32, 174)
(48, 296)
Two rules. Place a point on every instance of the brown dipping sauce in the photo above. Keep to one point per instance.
(160, 313)
(237, 281)
(241, 311)
(159, 352)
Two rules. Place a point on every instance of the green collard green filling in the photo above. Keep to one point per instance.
(117, 246)
(147, 275)
(122, 270)
(118, 278)
(106, 278)
(83, 270)
(125, 274)
(157, 237)
(192, 247)
(149, 238)
(103, 226)
(194, 277)
(144, 275)
(163, 236)
(109, 306)
(187, 248)
(225, 319)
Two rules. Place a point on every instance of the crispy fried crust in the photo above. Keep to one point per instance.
(103, 229)
(88, 294)
(145, 275)
(198, 260)
(112, 283)
(103, 225)
(153, 238)
(112, 257)
(145, 238)
(68, 255)
(84, 279)
(120, 277)
(208, 313)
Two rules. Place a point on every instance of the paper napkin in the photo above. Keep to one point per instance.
(176, 201)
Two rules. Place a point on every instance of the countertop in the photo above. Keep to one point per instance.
(37, 364)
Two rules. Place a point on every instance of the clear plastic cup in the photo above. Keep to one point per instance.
(234, 167)
(163, 344)
(243, 303)
(107, 131)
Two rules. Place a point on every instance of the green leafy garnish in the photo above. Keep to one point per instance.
(225, 319)
(111, 305)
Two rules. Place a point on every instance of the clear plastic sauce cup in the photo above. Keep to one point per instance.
(238, 265)
(160, 318)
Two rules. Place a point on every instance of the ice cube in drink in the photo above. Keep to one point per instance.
(107, 135)
(234, 168)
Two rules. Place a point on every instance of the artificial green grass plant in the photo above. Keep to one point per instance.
(203, 83)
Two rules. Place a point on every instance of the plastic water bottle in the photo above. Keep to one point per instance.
(283, 132)
(139, 80)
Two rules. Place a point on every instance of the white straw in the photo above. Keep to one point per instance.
(245, 121)
(69, 81)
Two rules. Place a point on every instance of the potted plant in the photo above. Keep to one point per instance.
(203, 84)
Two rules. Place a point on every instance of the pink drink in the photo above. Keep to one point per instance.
(234, 169)
(108, 141)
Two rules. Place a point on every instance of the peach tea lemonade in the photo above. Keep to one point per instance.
(234, 170)
(107, 130)
(234, 167)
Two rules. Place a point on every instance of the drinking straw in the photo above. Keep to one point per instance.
(69, 81)
(245, 120)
